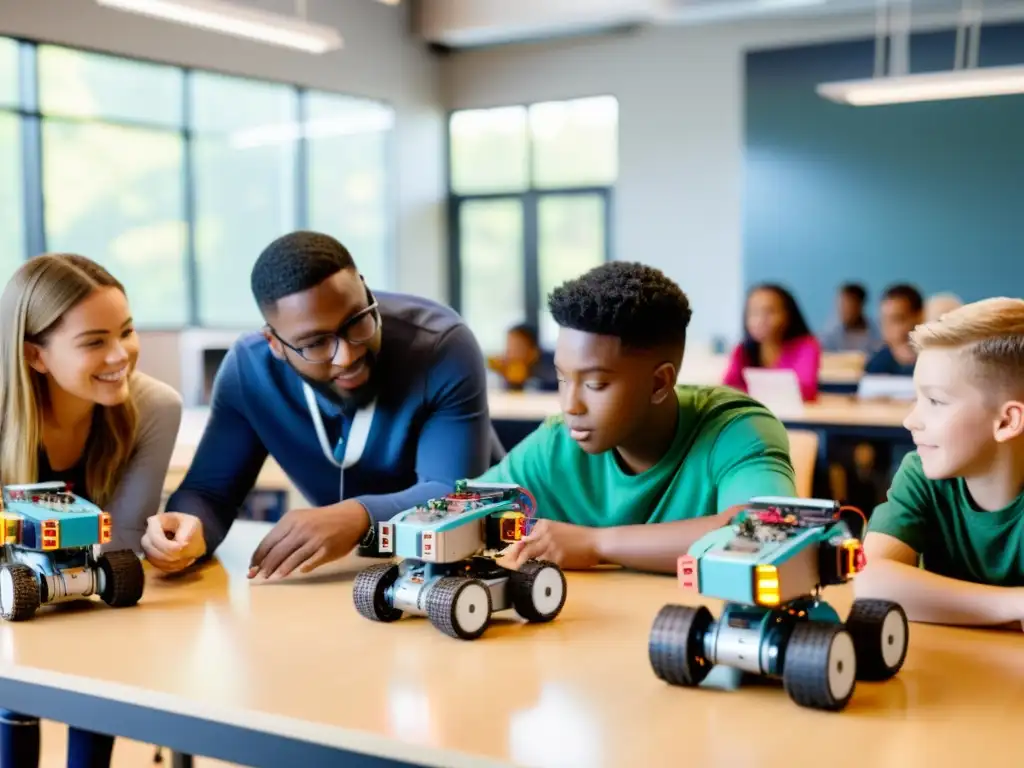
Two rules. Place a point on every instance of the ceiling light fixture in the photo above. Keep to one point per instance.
(894, 84)
(240, 21)
(930, 86)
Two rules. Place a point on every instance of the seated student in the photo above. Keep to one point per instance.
(948, 544)
(74, 409)
(370, 403)
(902, 308)
(524, 366)
(776, 337)
(853, 331)
(630, 446)
(939, 304)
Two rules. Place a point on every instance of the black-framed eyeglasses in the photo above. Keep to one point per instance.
(358, 329)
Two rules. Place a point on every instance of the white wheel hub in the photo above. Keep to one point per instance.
(471, 612)
(842, 666)
(6, 590)
(547, 590)
(894, 638)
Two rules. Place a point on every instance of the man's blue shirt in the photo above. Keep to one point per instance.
(431, 424)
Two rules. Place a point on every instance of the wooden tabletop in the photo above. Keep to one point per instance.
(828, 409)
(294, 657)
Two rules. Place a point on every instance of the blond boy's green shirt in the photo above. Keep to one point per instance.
(727, 448)
(939, 521)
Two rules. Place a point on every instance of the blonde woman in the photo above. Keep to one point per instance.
(73, 408)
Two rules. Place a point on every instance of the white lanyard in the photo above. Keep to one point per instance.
(357, 435)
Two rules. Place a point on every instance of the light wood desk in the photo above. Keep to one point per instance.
(289, 674)
(828, 410)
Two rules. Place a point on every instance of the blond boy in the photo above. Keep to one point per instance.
(948, 543)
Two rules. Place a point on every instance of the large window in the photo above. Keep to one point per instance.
(531, 203)
(112, 153)
(176, 179)
(8, 72)
(245, 186)
(12, 243)
(347, 168)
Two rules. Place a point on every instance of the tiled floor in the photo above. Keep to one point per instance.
(127, 754)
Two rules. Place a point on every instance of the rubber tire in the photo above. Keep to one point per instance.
(676, 644)
(441, 603)
(26, 593)
(125, 580)
(865, 625)
(369, 592)
(521, 584)
(809, 660)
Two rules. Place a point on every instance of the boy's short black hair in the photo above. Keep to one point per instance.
(856, 290)
(296, 262)
(632, 301)
(907, 292)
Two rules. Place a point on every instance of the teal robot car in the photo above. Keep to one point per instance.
(769, 567)
(51, 552)
(449, 568)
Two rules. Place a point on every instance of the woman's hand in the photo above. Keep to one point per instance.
(173, 541)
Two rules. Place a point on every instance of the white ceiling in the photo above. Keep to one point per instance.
(459, 23)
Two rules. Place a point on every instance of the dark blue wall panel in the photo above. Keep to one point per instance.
(929, 193)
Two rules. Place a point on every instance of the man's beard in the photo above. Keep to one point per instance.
(349, 400)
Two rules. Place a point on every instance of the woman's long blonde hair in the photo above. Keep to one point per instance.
(31, 308)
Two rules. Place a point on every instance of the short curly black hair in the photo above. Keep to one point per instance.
(296, 262)
(637, 303)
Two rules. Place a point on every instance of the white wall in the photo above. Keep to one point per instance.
(381, 59)
(679, 199)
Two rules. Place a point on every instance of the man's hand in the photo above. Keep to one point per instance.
(306, 538)
(173, 541)
(571, 547)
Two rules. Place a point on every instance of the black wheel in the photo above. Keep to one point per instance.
(538, 590)
(123, 578)
(369, 592)
(880, 633)
(19, 592)
(676, 645)
(459, 607)
(820, 666)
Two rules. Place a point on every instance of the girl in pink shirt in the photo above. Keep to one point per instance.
(776, 337)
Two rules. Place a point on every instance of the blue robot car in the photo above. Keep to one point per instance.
(50, 554)
(450, 569)
(769, 567)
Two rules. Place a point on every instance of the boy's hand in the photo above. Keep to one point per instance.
(173, 541)
(570, 547)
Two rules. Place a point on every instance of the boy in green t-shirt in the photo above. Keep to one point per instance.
(948, 544)
(630, 447)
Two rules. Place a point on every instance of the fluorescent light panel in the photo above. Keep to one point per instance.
(237, 20)
(930, 86)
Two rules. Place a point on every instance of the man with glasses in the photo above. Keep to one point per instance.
(370, 403)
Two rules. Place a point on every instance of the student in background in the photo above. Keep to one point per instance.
(853, 331)
(939, 304)
(948, 544)
(74, 409)
(776, 336)
(524, 365)
(630, 447)
(901, 310)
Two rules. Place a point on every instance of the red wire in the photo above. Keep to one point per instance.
(848, 508)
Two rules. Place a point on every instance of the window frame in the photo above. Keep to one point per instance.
(529, 198)
(31, 118)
